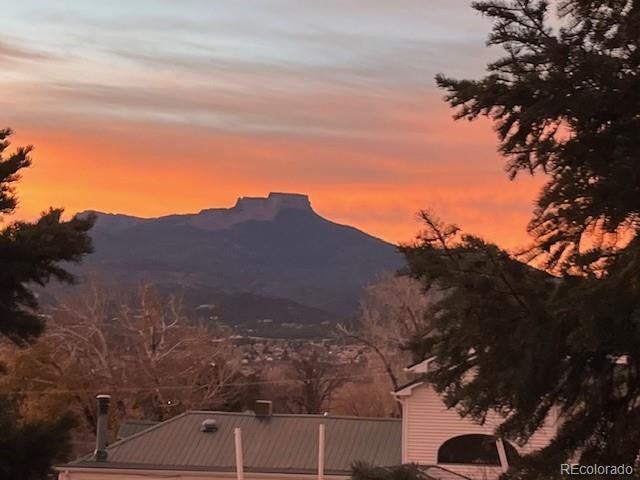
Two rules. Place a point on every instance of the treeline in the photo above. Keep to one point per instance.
(137, 346)
(156, 361)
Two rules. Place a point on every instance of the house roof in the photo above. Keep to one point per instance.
(275, 444)
(405, 389)
(130, 427)
(420, 367)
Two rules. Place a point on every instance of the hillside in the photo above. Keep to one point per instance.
(252, 314)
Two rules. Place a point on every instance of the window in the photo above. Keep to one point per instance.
(474, 449)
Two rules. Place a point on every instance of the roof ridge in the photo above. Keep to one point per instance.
(140, 420)
(296, 415)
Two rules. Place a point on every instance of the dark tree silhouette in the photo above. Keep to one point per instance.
(27, 449)
(410, 471)
(566, 103)
(526, 341)
(31, 253)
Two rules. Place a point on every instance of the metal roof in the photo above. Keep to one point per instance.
(274, 444)
(130, 427)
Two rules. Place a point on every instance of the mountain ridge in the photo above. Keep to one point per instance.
(245, 209)
(276, 246)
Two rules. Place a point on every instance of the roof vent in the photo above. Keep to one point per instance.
(209, 425)
(263, 408)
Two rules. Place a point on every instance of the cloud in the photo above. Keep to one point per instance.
(12, 53)
(157, 106)
(149, 170)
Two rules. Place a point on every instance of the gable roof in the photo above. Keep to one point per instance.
(275, 444)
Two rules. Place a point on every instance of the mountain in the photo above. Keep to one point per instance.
(276, 246)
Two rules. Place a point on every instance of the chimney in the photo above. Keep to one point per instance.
(263, 408)
(100, 453)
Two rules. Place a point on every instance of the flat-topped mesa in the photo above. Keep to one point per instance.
(251, 208)
(276, 201)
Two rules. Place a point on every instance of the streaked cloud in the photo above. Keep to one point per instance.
(11, 52)
(157, 106)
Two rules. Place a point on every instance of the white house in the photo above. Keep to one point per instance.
(435, 435)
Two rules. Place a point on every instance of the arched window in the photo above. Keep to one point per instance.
(475, 449)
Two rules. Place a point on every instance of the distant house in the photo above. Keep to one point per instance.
(435, 435)
(202, 445)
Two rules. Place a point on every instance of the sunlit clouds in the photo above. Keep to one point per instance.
(155, 107)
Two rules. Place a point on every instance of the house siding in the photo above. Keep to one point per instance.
(427, 424)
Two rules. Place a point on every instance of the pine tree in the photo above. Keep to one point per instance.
(566, 104)
(29, 448)
(524, 341)
(31, 253)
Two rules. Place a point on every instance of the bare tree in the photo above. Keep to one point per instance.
(183, 365)
(365, 398)
(316, 379)
(307, 383)
(393, 310)
(138, 346)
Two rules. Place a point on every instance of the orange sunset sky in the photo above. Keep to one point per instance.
(155, 107)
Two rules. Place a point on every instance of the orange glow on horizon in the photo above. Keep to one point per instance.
(142, 171)
(156, 108)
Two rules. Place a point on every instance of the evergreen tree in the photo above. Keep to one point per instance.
(566, 103)
(31, 253)
(410, 471)
(29, 448)
(526, 341)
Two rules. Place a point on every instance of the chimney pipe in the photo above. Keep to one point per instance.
(100, 453)
(263, 408)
